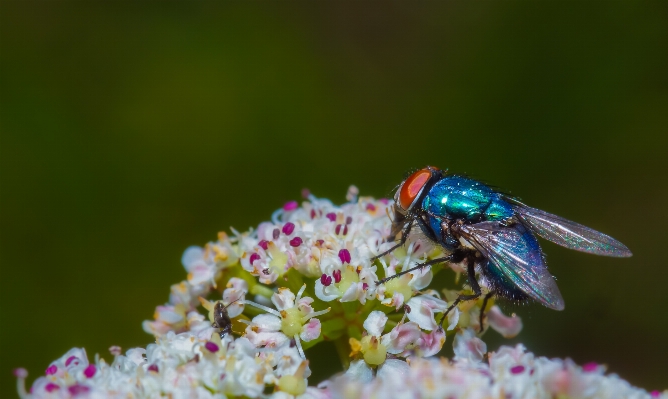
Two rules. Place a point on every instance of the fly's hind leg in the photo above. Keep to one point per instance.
(470, 268)
(484, 305)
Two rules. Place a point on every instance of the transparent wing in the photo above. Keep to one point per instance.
(569, 234)
(516, 253)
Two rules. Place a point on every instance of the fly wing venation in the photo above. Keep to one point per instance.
(516, 253)
(569, 234)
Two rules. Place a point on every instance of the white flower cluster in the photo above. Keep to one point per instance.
(310, 275)
(507, 373)
(178, 366)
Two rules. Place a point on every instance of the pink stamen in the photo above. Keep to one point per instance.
(517, 369)
(52, 369)
(589, 367)
(50, 387)
(290, 206)
(319, 242)
(70, 360)
(370, 207)
(313, 214)
(345, 230)
(288, 228)
(20, 372)
(344, 255)
(295, 242)
(349, 220)
(276, 233)
(253, 258)
(326, 280)
(384, 201)
(331, 216)
(337, 276)
(211, 347)
(264, 244)
(89, 372)
(365, 286)
(337, 230)
(154, 368)
(655, 394)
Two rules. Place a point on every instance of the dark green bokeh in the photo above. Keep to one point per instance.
(131, 131)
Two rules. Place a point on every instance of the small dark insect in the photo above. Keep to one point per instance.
(221, 319)
(492, 232)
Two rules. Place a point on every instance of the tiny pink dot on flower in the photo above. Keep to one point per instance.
(517, 369)
(295, 242)
(20, 372)
(77, 389)
(52, 369)
(313, 214)
(349, 220)
(344, 255)
(331, 216)
(211, 346)
(589, 367)
(384, 201)
(370, 207)
(345, 230)
(337, 229)
(326, 280)
(288, 228)
(320, 242)
(89, 372)
(290, 206)
(154, 368)
(276, 233)
(337, 276)
(70, 360)
(253, 258)
(655, 394)
(264, 244)
(115, 350)
(50, 387)
(365, 286)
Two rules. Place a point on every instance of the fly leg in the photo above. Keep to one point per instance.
(470, 268)
(420, 266)
(402, 241)
(484, 305)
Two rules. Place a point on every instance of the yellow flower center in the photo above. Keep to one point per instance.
(400, 285)
(374, 352)
(291, 321)
(349, 276)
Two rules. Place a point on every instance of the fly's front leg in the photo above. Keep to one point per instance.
(470, 267)
(402, 241)
(416, 267)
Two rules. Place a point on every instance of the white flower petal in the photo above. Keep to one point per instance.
(359, 371)
(375, 323)
(508, 327)
(326, 294)
(393, 370)
(283, 299)
(191, 255)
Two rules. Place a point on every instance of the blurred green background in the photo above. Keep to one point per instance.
(133, 130)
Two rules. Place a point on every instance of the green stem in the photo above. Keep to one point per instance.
(343, 350)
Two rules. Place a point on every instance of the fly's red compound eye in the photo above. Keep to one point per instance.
(412, 186)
